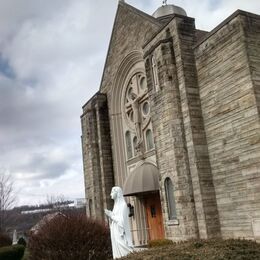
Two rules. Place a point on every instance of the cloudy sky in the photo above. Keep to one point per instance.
(52, 54)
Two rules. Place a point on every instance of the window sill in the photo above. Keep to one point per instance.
(173, 222)
(138, 158)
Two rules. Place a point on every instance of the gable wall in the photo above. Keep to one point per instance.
(130, 30)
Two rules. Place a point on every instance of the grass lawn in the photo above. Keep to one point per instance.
(202, 250)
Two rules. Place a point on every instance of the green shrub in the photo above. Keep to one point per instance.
(12, 252)
(21, 241)
(5, 240)
(198, 243)
(159, 242)
(70, 238)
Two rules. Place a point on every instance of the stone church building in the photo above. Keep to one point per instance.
(175, 123)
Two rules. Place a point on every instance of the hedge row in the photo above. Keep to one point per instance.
(12, 252)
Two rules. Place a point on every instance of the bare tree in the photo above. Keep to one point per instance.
(7, 198)
(57, 203)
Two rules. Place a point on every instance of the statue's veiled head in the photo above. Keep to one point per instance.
(116, 192)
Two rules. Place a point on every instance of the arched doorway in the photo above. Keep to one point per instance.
(154, 216)
(143, 183)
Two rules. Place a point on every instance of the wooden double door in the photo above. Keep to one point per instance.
(154, 216)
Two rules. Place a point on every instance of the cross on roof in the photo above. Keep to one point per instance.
(164, 2)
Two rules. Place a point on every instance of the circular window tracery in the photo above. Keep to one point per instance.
(136, 104)
(136, 115)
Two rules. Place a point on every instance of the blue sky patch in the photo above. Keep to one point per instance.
(214, 4)
(5, 68)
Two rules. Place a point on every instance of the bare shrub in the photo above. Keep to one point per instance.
(5, 240)
(7, 198)
(70, 237)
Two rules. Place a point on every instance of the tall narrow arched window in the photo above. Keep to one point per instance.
(169, 191)
(149, 140)
(155, 74)
(90, 207)
(128, 145)
(135, 145)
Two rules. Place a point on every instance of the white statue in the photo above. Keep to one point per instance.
(14, 237)
(119, 225)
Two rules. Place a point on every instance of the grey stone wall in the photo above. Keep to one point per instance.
(184, 37)
(231, 120)
(251, 27)
(178, 120)
(170, 144)
(205, 119)
(97, 156)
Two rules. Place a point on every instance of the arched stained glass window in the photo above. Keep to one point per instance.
(169, 191)
(149, 140)
(155, 74)
(128, 145)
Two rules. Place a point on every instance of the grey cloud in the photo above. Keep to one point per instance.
(51, 61)
(42, 167)
(51, 58)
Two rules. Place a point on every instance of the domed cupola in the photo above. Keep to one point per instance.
(166, 10)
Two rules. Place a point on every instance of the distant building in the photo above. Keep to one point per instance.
(76, 203)
(176, 124)
(35, 211)
(80, 203)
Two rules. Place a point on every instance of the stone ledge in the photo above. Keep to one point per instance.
(173, 222)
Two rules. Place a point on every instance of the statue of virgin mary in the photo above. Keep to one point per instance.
(119, 225)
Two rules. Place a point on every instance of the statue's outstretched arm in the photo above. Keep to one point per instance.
(108, 213)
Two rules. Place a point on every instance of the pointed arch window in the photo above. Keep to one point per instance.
(149, 140)
(155, 74)
(128, 141)
(171, 205)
